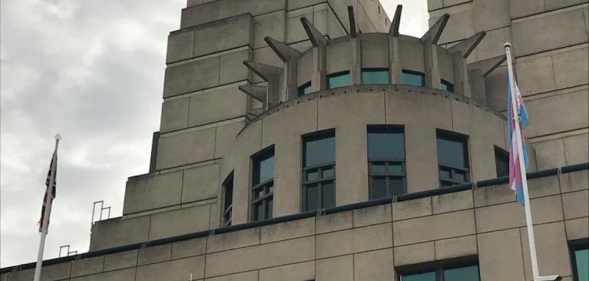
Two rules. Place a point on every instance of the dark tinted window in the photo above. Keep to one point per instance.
(319, 171)
(372, 76)
(386, 161)
(413, 78)
(304, 89)
(386, 143)
(228, 200)
(340, 79)
(469, 273)
(319, 150)
(501, 162)
(263, 184)
(452, 158)
(447, 86)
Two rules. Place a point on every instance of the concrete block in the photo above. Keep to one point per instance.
(246, 276)
(372, 215)
(298, 4)
(87, 266)
(491, 15)
(571, 68)
(50, 273)
(334, 222)
(287, 230)
(374, 266)
(237, 31)
(120, 260)
(456, 247)
(268, 255)
(118, 232)
(546, 209)
(155, 254)
(550, 31)
(232, 240)
(493, 195)
(499, 217)
(191, 76)
(523, 8)
(576, 204)
(176, 270)
(452, 202)
(339, 57)
(216, 104)
(187, 248)
(492, 45)
(296, 32)
(185, 147)
(152, 192)
(434, 4)
(549, 154)
(119, 275)
(575, 181)
(225, 137)
(551, 247)
(500, 255)
(232, 68)
(574, 102)
(543, 186)
(216, 10)
(576, 149)
(535, 74)
(412, 208)
(375, 50)
(577, 228)
(272, 25)
(412, 50)
(180, 45)
(178, 222)
(553, 5)
(460, 22)
(372, 237)
(174, 114)
(292, 272)
(336, 269)
(416, 253)
(200, 183)
(434, 227)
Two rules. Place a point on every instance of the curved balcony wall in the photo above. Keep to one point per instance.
(348, 111)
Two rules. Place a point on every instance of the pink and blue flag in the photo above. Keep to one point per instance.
(515, 138)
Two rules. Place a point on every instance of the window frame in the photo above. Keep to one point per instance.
(227, 215)
(413, 72)
(393, 129)
(267, 185)
(438, 267)
(320, 168)
(501, 153)
(375, 69)
(457, 137)
(576, 245)
(339, 73)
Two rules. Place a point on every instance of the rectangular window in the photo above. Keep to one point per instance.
(452, 158)
(501, 162)
(441, 273)
(304, 89)
(319, 171)
(386, 161)
(375, 76)
(263, 184)
(412, 78)
(340, 79)
(447, 86)
(580, 255)
(228, 200)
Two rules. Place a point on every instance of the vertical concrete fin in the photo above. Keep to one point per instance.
(394, 30)
(316, 37)
(352, 19)
(466, 47)
(268, 72)
(435, 31)
(284, 52)
(256, 92)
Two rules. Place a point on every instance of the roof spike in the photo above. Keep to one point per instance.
(394, 30)
(266, 71)
(316, 37)
(285, 52)
(466, 47)
(435, 31)
(352, 19)
(256, 92)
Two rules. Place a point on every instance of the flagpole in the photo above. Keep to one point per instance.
(45, 222)
(522, 167)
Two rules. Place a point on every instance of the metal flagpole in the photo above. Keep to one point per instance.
(522, 167)
(46, 214)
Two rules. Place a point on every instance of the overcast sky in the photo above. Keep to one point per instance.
(92, 71)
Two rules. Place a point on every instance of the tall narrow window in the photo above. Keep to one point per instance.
(228, 200)
(304, 89)
(501, 162)
(340, 79)
(445, 273)
(447, 86)
(452, 158)
(263, 184)
(580, 255)
(319, 171)
(386, 161)
(412, 78)
(375, 76)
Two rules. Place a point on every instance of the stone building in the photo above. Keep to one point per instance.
(308, 140)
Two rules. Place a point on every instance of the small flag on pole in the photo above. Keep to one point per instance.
(50, 184)
(516, 112)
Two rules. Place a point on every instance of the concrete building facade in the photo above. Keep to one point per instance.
(308, 140)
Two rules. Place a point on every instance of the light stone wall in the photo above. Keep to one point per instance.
(371, 243)
(550, 44)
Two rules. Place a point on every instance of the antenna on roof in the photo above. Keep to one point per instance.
(97, 213)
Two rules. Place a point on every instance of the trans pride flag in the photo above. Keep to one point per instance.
(516, 114)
